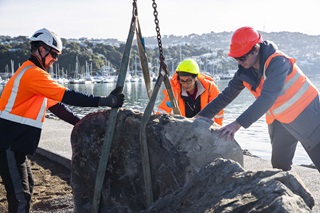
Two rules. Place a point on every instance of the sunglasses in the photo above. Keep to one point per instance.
(188, 81)
(244, 57)
(52, 53)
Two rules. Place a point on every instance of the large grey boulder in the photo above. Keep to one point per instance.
(181, 153)
(172, 142)
(200, 142)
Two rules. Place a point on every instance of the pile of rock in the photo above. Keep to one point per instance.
(192, 169)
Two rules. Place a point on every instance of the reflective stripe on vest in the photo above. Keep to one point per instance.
(218, 116)
(293, 99)
(5, 114)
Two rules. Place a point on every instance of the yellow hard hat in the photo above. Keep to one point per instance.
(189, 66)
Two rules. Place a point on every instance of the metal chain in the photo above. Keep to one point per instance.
(163, 66)
(156, 21)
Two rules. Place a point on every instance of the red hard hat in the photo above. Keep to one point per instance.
(242, 41)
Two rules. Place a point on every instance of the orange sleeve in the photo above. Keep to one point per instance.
(165, 105)
(213, 93)
(51, 103)
(40, 82)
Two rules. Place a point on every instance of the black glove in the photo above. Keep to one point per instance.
(115, 99)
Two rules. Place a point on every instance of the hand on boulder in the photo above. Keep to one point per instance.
(115, 98)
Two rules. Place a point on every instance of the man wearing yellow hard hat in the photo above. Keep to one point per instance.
(193, 91)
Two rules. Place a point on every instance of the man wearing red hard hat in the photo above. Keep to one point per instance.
(282, 91)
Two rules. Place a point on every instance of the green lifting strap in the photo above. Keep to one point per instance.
(112, 118)
(143, 138)
(143, 60)
(143, 141)
(168, 86)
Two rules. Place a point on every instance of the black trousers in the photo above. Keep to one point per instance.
(17, 179)
(284, 146)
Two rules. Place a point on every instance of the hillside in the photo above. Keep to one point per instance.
(209, 49)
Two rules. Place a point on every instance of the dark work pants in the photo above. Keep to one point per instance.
(284, 146)
(17, 178)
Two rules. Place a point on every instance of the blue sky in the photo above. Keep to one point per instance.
(111, 18)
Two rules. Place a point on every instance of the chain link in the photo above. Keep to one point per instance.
(156, 21)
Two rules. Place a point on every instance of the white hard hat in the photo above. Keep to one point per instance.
(49, 38)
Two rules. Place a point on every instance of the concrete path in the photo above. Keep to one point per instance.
(55, 144)
(55, 141)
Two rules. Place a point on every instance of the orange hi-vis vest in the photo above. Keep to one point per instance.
(24, 101)
(297, 93)
(208, 92)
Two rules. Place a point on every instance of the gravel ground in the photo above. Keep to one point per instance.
(52, 191)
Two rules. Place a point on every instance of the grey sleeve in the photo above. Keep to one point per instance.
(235, 86)
(276, 74)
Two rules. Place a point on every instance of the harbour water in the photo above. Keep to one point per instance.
(255, 138)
